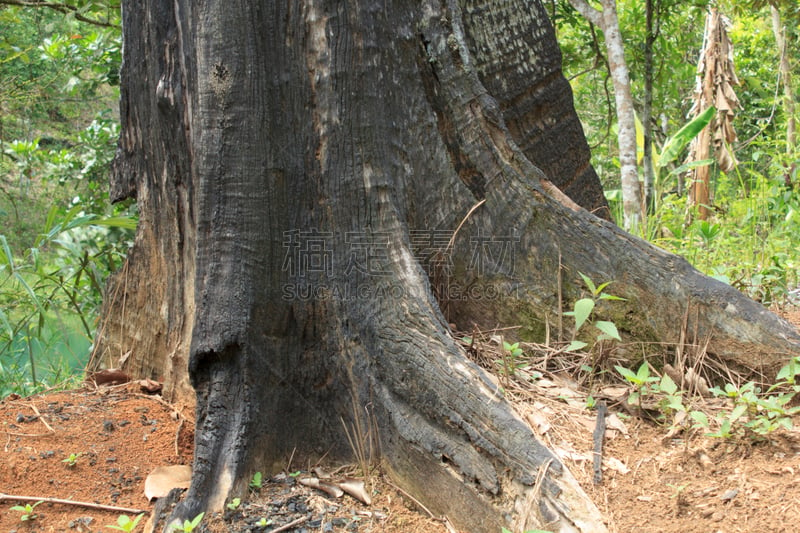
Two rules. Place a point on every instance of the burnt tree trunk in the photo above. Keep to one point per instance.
(301, 169)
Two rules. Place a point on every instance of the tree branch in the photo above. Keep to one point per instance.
(591, 14)
(61, 8)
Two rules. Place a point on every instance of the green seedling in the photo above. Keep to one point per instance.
(582, 312)
(72, 460)
(234, 504)
(511, 352)
(264, 522)
(189, 526)
(124, 523)
(255, 483)
(27, 511)
(294, 474)
(641, 381)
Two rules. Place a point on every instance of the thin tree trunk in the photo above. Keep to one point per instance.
(786, 76)
(607, 20)
(651, 32)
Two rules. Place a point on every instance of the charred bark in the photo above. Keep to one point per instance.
(301, 169)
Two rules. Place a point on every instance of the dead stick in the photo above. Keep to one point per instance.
(39, 416)
(89, 505)
(597, 437)
(291, 524)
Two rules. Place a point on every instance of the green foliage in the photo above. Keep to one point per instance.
(50, 295)
(72, 460)
(750, 413)
(233, 504)
(188, 525)
(60, 240)
(255, 482)
(27, 511)
(643, 383)
(583, 309)
(511, 359)
(125, 523)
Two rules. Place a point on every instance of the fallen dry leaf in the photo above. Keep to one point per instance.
(615, 464)
(538, 422)
(165, 478)
(355, 488)
(328, 488)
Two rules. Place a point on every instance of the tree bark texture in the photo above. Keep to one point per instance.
(318, 182)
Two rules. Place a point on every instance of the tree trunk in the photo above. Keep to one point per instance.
(786, 76)
(648, 167)
(307, 175)
(607, 20)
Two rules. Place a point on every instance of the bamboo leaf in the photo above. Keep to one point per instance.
(689, 131)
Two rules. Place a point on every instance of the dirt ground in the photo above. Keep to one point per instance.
(652, 481)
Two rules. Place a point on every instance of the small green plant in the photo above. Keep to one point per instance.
(72, 460)
(255, 482)
(27, 511)
(263, 522)
(234, 504)
(641, 381)
(511, 355)
(124, 523)
(294, 474)
(582, 312)
(189, 526)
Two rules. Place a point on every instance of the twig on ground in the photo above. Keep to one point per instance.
(597, 439)
(290, 525)
(39, 416)
(88, 505)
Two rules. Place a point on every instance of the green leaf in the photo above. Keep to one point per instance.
(116, 222)
(643, 374)
(693, 164)
(699, 417)
(583, 308)
(609, 328)
(574, 346)
(627, 374)
(600, 288)
(677, 142)
(7, 252)
(667, 385)
(611, 297)
(737, 412)
(589, 283)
